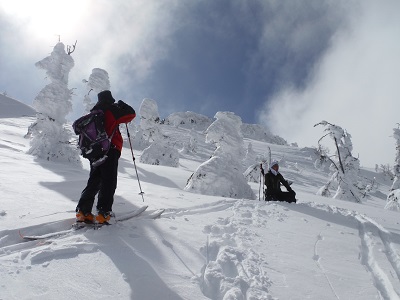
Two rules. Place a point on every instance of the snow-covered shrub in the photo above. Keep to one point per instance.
(222, 174)
(393, 200)
(386, 171)
(50, 134)
(396, 167)
(394, 195)
(345, 167)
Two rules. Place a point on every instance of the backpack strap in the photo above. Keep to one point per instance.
(112, 134)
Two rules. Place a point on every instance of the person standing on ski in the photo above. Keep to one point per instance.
(273, 180)
(103, 178)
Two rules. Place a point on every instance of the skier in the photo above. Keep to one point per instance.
(273, 180)
(103, 178)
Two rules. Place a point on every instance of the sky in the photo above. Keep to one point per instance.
(284, 64)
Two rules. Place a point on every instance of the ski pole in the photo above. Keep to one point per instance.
(261, 180)
(134, 163)
(259, 189)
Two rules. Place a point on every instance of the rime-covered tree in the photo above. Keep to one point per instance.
(250, 157)
(50, 134)
(150, 120)
(191, 145)
(98, 81)
(345, 166)
(160, 151)
(394, 195)
(222, 174)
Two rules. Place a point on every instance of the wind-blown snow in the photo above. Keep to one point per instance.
(202, 247)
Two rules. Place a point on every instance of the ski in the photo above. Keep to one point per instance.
(129, 215)
(79, 225)
(155, 214)
(48, 235)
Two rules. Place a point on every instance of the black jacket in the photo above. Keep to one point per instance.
(115, 114)
(273, 183)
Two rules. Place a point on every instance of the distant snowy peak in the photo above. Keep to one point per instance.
(200, 122)
(11, 108)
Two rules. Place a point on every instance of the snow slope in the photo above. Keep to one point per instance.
(12, 108)
(202, 247)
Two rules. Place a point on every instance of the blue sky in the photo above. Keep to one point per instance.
(284, 64)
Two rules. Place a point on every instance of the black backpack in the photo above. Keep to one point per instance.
(94, 142)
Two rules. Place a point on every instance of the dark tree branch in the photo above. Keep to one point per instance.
(71, 49)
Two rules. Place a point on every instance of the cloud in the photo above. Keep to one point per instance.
(291, 64)
(199, 55)
(124, 37)
(354, 85)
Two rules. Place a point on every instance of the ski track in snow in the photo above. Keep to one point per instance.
(371, 234)
(233, 270)
(232, 273)
(316, 257)
(369, 230)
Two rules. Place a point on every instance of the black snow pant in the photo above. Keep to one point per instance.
(281, 196)
(102, 180)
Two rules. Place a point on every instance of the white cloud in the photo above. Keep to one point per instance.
(126, 38)
(354, 86)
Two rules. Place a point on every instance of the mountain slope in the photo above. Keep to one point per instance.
(202, 247)
(11, 108)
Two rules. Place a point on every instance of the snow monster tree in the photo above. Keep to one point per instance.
(222, 174)
(50, 135)
(345, 166)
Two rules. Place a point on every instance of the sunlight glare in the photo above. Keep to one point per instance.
(46, 18)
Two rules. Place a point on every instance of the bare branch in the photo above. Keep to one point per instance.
(323, 137)
(71, 49)
(340, 159)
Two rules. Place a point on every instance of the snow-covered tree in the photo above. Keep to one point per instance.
(160, 150)
(191, 145)
(222, 174)
(394, 195)
(250, 156)
(50, 134)
(189, 120)
(345, 167)
(160, 153)
(98, 82)
(140, 141)
(150, 120)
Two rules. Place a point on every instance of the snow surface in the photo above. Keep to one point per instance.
(13, 108)
(203, 247)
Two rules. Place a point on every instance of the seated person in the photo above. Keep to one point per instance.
(273, 180)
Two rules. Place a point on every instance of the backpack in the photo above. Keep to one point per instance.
(93, 142)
